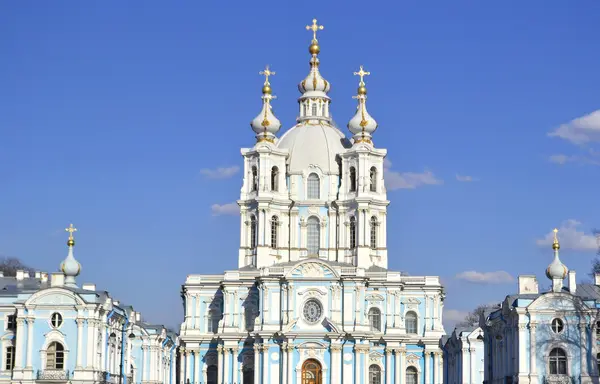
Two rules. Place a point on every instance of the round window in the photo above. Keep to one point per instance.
(557, 325)
(312, 311)
(56, 320)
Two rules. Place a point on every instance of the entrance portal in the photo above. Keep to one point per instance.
(311, 372)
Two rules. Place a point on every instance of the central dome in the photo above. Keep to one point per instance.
(313, 145)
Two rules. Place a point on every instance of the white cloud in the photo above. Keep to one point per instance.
(225, 209)
(570, 237)
(563, 159)
(465, 178)
(496, 277)
(454, 315)
(220, 173)
(580, 130)
(407, 180)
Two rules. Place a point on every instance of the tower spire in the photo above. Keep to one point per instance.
(362, 125)
(70, 267)
(266, 125)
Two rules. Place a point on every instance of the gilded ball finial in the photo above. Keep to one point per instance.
(70, 242)
(314, 48)
(266, 89)
(362, 90)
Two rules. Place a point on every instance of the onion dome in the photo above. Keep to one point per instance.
(556, 269)
(362, 125)
(314, 82)
(266, 125)
(70, 267)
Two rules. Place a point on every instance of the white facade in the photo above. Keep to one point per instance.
(55, 331)
(464, 356)
(312, 300)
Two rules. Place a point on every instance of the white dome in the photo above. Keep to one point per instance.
(313, 144)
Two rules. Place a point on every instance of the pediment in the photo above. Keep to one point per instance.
(54, 297)
(374, 297)
(558, 302)
(313, 269)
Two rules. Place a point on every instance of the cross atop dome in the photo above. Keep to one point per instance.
(266, 125)
(314, 28)
(362, 125)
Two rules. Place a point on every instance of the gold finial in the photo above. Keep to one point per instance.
(267, 86)
(71, 229)
(314, 28)
(362, 90)
(555, 244)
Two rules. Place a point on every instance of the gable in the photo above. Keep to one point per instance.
(312, 269)
(558, 302)
(54, 297)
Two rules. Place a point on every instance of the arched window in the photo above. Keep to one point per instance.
(375, 319)
(313, 186)
(211, 375)
(275, 179)
(352, 179)
(411, 322)
(374, 374)
(374, 225)
(411, 375)
(252, 231)
(55, 356)
(314, 236)
(254, 181)
(274, 228)
(212, 325)
(314, 109)
(558, 362)
(373, 177)
(352, 232)
(10, 358)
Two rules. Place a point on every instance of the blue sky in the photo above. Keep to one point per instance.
(114, 115)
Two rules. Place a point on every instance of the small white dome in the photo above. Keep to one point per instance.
(362, 125)
(314, 82)
(313, 145)
(266, 125)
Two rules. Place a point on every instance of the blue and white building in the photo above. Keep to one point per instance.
(464, 356)
(56, 331)
(312, 300)
(545, 337)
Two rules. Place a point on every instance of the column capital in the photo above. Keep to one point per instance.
(388, 351)
(257, 347)
(532, 326)
(80, 321)
(30, 320)
(220, 348)
(335, 347)
(20, 321)
(265, 347)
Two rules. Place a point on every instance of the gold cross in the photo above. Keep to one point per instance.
(314, 28)
(555, 235)
(362, 73)
(267, 72)
(71, 229)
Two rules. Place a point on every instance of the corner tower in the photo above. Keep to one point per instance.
(313, 193)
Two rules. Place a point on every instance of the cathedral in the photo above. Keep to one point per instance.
(312, 300)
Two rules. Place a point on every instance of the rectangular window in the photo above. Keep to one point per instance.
(11, 322)
(10, 358)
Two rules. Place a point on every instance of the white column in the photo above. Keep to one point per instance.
(583, 349)
(402, 365)
(181, 365)
(366, 365)
(188, 311)
(427, 366)
(388, 366)
(357, 364)
(197, 371)
(103, 359)
(532, 350)
(284, 363)
(79, 343)
(30, 322)
(226, 368)
(19, 347)
(236, 364)
(522, 350)
(145, 364)
(437, 378)
(427, 314)
(256, 363)
(441, 367)
(290, 370)
(220, 364)
(397, 366)
(91, 336)
(265, 356)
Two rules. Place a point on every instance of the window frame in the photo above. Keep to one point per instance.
(274, 179)
(557, 326)
(416, 321)
(375, 374)
(56, 324)
(313, 181)
(274, 231)
(254, 181)
(253, 231)
(352, 231)
(374, 315)
(11, 322)
(558, 361)
(373, 232)
(412, 371)
(352, 175)
(314, 223)
(9, 357)
(57, 354)
(373, 179)
(314, 110)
